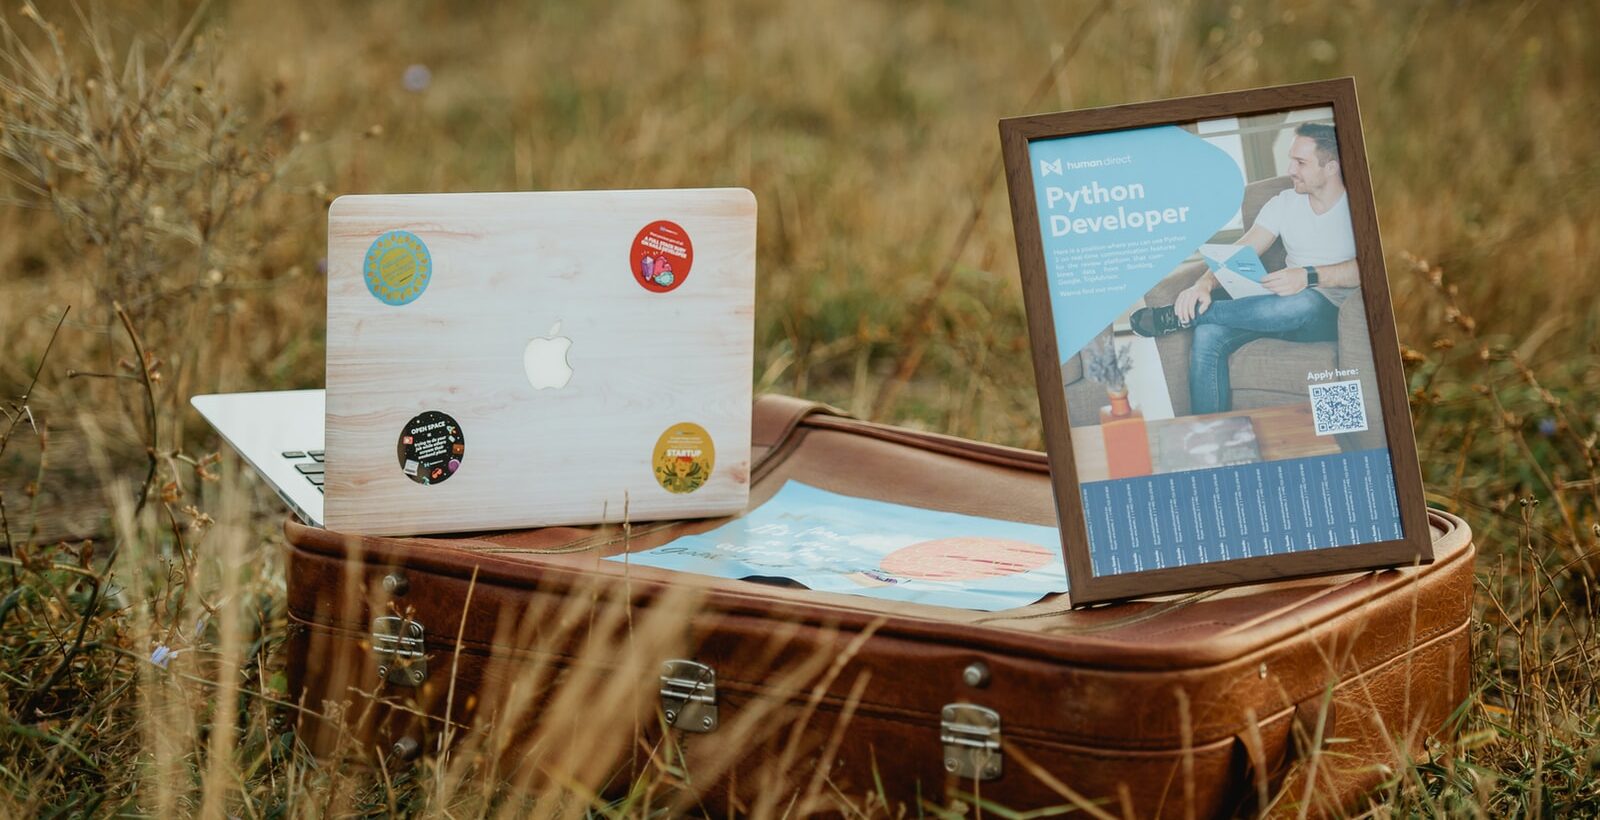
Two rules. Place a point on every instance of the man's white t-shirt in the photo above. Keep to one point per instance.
(1310, 238)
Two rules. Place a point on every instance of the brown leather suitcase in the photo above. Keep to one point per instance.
(588, 676)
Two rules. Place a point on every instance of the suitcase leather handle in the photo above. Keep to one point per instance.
(776, 418)
(773, 420)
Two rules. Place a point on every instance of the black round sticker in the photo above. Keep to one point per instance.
(431, 448)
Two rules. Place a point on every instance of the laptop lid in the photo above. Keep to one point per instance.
(503, 360)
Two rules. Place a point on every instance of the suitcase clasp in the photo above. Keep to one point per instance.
(689, 695)
(398, 647)
(971, 738)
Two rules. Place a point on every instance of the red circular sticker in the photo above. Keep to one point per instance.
(661, 256)
(965, 559)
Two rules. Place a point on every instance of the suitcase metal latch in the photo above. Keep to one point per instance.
(689, 695)
(971, 738)
(397, 646)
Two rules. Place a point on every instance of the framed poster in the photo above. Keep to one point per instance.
(1213, 341)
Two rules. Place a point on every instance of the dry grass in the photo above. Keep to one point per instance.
(165, 175)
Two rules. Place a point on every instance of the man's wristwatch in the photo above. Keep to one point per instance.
(1311, 276)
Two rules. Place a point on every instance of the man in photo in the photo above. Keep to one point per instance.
(1313, 220)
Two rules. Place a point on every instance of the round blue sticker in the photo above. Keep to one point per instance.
(398, 268)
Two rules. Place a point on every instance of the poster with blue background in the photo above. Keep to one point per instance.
(1218, 410)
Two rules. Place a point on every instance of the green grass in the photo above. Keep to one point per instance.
(169, 184)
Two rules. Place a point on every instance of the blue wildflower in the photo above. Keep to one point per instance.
(417, 78)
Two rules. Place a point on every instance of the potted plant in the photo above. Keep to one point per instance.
(1109, 364)
(1122, 428)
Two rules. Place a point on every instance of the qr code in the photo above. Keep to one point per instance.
(1338, 407)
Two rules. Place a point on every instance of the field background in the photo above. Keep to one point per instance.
(166, 174)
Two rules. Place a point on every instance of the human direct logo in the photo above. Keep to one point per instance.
(545, 360)
(1060, 166)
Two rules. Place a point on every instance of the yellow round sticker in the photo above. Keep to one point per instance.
(397, 267)
(684, 457)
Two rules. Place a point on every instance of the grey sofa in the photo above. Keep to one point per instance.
(1271, 372)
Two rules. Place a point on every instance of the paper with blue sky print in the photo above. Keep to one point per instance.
(839, 543)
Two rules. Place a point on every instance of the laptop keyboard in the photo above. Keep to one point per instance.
(308, 463)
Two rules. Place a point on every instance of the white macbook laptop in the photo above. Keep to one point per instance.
(522, 359)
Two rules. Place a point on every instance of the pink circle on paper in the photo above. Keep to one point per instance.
(965, 558)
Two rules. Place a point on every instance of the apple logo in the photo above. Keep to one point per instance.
(545, 360)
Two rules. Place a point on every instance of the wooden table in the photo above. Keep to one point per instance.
(1283, 432)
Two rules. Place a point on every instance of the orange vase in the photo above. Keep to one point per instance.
(1126, 438)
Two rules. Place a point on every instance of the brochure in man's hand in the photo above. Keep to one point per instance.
(1238, 268)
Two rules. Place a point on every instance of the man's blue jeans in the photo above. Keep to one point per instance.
(1306, 316)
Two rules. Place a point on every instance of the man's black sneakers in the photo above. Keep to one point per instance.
(1154, 322)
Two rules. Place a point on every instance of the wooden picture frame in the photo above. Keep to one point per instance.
(1414, 544)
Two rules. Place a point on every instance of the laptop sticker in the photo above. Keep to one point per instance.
(661, 256)
(684, 457)
(398, 268)
(431, 448)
